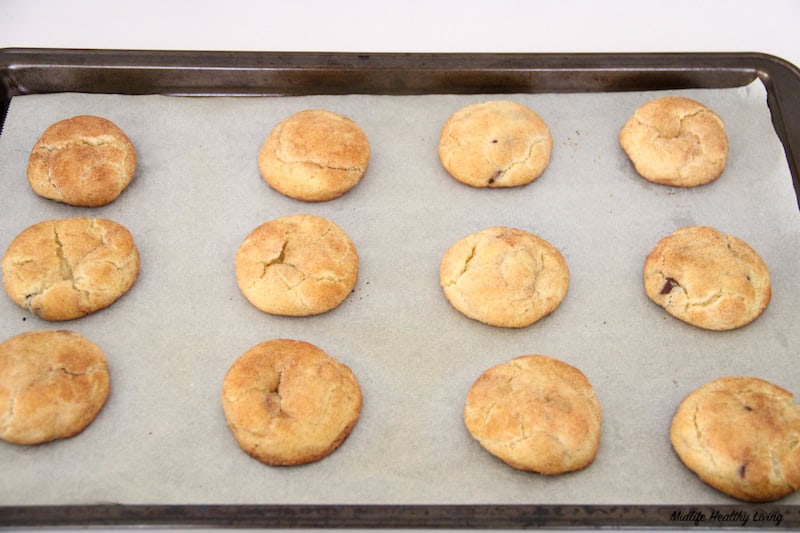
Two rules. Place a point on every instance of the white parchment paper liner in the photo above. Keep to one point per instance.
(162, 437)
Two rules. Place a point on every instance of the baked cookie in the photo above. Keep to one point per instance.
(52, 385)
(676, 141)
(288, 403)
(298, 265)
(535, 413)
(68, 268)
(495, 144)
(82, 161)
(504, 277)
(740, 435)
(314, 155)
(708, 279)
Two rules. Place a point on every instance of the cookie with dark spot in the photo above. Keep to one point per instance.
(314, 156)
(82, 161)
(288, 403)
(298, 265)
(52, 386)
(67, 268)
(535, 413)
(504, 277)
(706, 278)
(741, 435)
(676, 141)
(495, 144)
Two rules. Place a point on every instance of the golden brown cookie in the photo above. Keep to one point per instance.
(535, 413)
(287, 402)
(298, 265)
(741, 435)
(314, 155)
(82, 161)
(68, 268)
(504, 277)
(708, 279)
(495, 144)
(676, 141)
(52, 385)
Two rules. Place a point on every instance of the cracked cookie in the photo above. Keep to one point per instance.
(676, 141)
(82, 161)
(495, 144)
(707, 279)
(68, 268)
(52, 385)
(288, 403)
(535, 413)
(740, 435)
(314, 156)
(297, 265)
(504, 277)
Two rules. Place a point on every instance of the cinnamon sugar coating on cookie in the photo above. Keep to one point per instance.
(287, 402)
(676, 141)
(82, 161)
(495, 144)
(741, 435)
(706, 278)
(52, 385)
(68, 268)
(298, 265)
(504, 277)
(535, 413)
(314, 155)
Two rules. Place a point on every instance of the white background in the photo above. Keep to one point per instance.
(768, 26)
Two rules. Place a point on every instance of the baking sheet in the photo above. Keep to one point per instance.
(162, 438)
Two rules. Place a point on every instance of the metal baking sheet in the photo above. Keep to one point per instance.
(169, 351)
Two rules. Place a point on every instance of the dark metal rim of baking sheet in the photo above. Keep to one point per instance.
(39, 71)
(406, 516)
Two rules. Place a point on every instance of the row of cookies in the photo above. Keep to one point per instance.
(301, 265)
(534, 412)
(670, 140)
(287, 402)
(54, 383)
(317, 155)
(738, 434)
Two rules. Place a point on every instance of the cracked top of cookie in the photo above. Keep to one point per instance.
(741, 435)
(67, 268)
(287, 402)
(82, 161)
(676, 141)
(52, 385)
(314, 155)
(297, 265)
(495, 144)
(504, 277)
(535, 413)
(706, 278)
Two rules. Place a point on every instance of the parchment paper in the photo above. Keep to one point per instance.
(162, 436)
